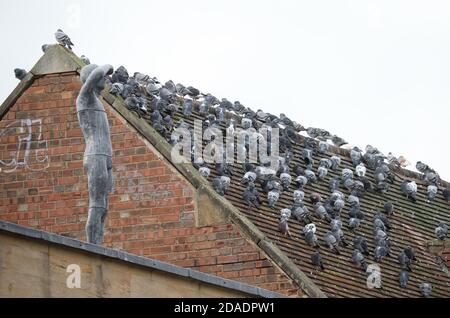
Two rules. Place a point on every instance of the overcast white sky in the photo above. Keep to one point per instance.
(373, 72)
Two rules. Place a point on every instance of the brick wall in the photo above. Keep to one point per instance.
(152, 208)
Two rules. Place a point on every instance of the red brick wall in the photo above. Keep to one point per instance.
(152, 208)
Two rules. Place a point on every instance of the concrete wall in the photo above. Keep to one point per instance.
(37, 268)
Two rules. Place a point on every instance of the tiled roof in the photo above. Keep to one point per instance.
(412, 225)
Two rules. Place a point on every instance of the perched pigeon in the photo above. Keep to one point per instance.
(116, 88)
(361, 170)
(272, 198)
(298, 196)
(63, 39)
(315, 198)
(285, 179)
(333, 185)
(425, 289)
(323, 147)
(283, 226)
(353, 223)
(310, 236)
(404, 261)
(85, 60)
(311, 176)
(316, 260)
(20, 73)
(388, 208)
(380, 252)
(205, 172)
(356, 156)
(321, 212)
(432, 191)
(360, 243)
(410, 189)
(221, 184)
(331, 242)
(301, 213)
(403, 278)
(335, 162)
(358, 259)
(441, 231)
(45, 47)
(338, 141)
(251, 196)
(301, 181)
(446, 194)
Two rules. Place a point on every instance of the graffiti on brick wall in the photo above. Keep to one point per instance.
(30, 150)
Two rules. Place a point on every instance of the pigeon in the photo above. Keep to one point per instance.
(409, 251)
(316, 260)
(272, 198)
(353, 200)
(285, 180)
(321, 212)
(360, 243)
(204, 172)
(410, 189)
(331, 241)
(310, 236)
(404, 261)
(311, 176)
(441, 231)
(446, 194)
(425, 289)
(422, 167)
(249, 176)
(323, 147)
(322, 173)
(192, 91)
(355, 212)
(116, 88)
(283, 226)
(356, 156)
(403, 278)
(335, 162)
(380, 252)
(358, 259)
(120, 75)
(308, 157)
(20, 73)
(361, 170)
(388, 208)
(251, 196)
(298, 196)
(346, 174)
(221, 184)
(338, 141)
(353, 223)
(333, 185)
(432, 191)
(63, 39)
(301, 181)
(314, 198)
(393, 160)
(380, 216)
(301, 213)
(85, 60)
(45, 47)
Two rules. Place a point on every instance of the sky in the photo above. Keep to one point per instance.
(372, 72)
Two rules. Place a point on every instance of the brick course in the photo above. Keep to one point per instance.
(152, 209)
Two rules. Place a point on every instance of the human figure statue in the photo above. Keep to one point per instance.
(97, 159)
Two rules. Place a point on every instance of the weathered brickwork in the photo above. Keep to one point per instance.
(152, 208)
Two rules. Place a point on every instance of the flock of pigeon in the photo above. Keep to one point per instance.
(159, 103)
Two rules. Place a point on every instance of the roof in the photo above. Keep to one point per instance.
(413, 224)
(137, 260)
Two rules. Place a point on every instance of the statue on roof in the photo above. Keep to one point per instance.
(97, 158)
